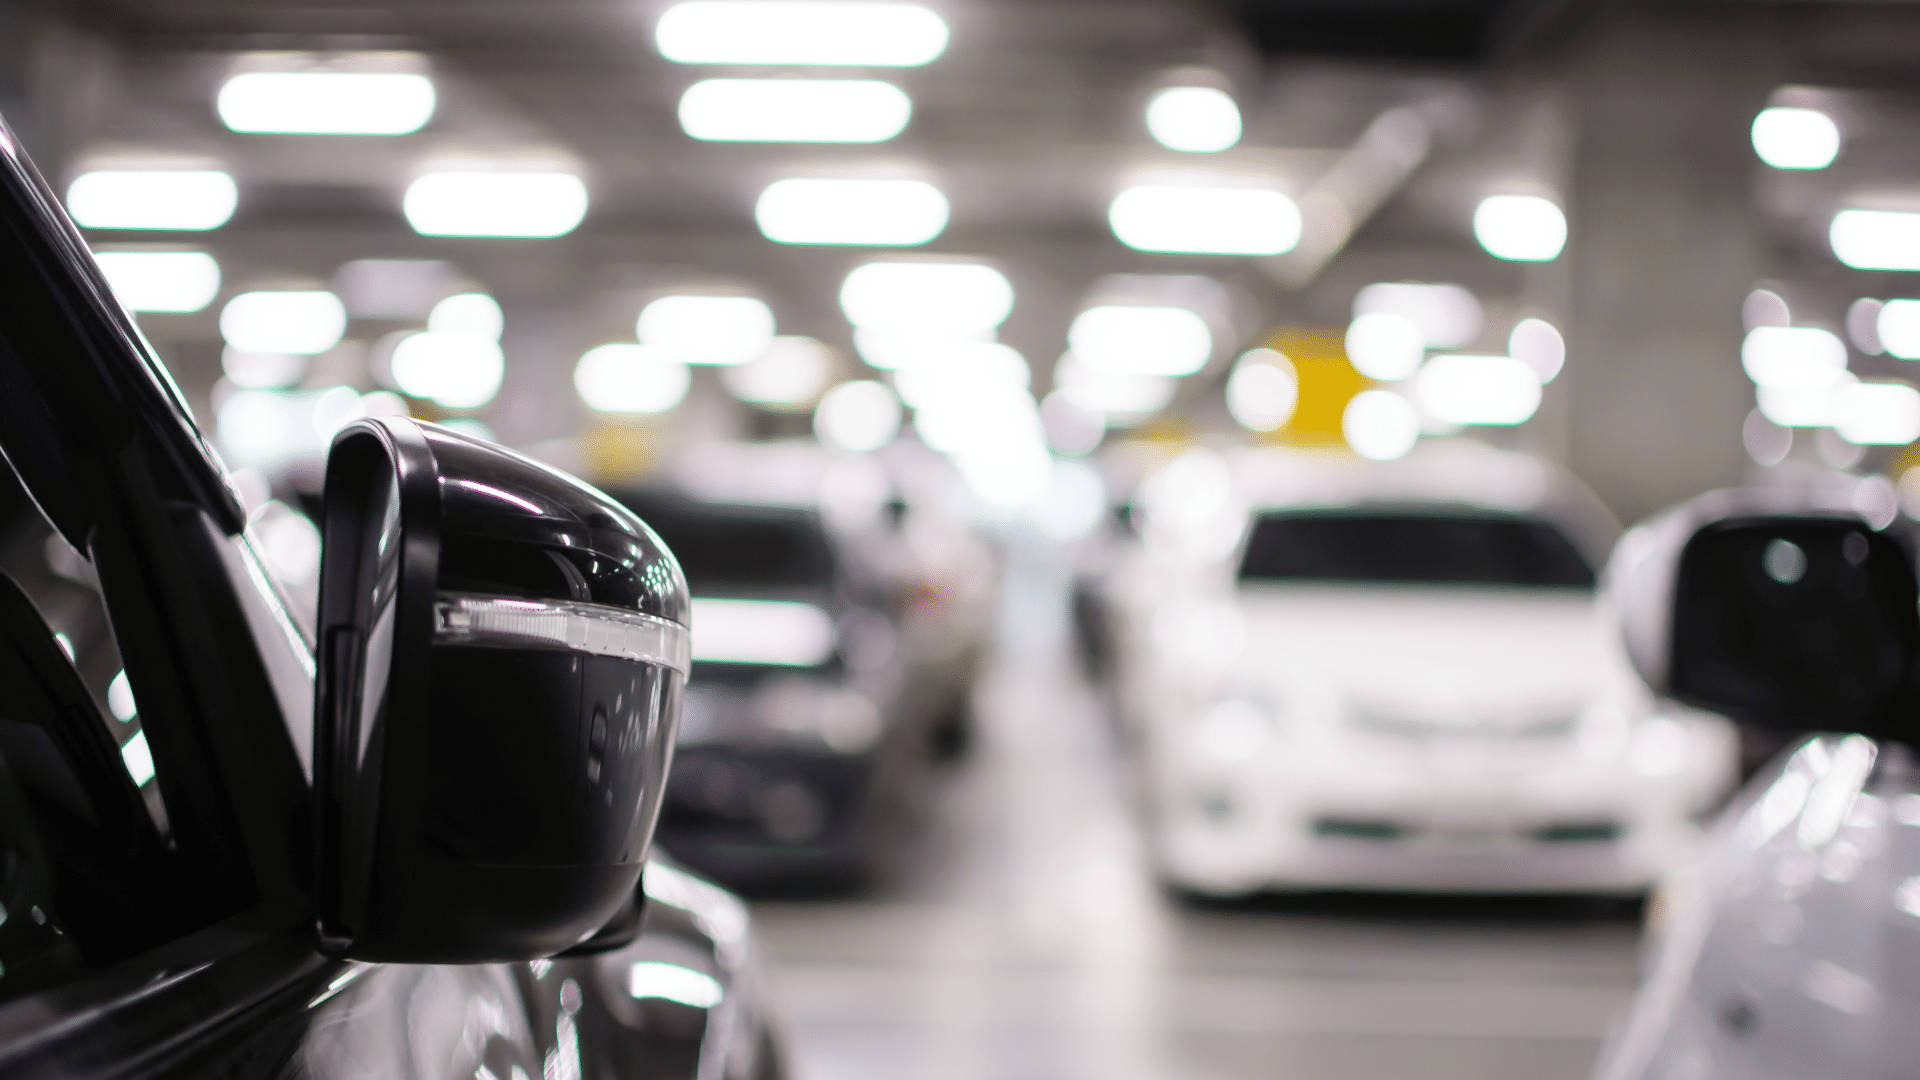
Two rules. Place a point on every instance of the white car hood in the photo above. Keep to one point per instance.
(1436, 653)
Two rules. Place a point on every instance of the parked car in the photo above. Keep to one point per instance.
(411, 841)
(813, 709)
(1787, 949)
(1351, 675)
(900, 533)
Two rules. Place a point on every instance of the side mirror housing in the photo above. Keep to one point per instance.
(502, 655)
(1796, 618)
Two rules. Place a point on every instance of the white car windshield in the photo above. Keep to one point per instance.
(1403, 547)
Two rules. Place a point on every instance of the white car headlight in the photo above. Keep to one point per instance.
(1235, 730)
(1658, 747)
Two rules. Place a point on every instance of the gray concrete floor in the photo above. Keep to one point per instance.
(1023, 938)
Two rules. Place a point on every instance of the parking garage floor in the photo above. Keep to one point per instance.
(1023, 938)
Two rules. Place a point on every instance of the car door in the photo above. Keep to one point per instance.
(158, 916)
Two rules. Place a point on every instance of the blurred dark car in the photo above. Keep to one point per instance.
(811, 718)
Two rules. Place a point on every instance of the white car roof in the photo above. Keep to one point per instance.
(1440, 474)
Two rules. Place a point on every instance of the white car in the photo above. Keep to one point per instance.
(1791, 947)
(1395, 677)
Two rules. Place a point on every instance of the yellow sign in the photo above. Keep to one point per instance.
(1328, 382)
(620, 452)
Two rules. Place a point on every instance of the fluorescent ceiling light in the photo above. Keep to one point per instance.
(888, 349)
(137, 756)
(1766, 442)
(457, 370)
(393, 288)
(1898, 328)
(630, 379)
(992, 422)
(1116, 397)
(1384, 345)
(1141, 340)
(1877, 413)
(1764, 307)
(879, 213)
(673, 982)
(927, 298)
(1447, 316)
(1520, 228)
(707, 329)
(1782, 356)
(860, 416)
(1876, 239)
(1070, 428)
(161, 281)
(1380, 425)
(1463, 388)
(1537, 343)
(789, 373)
(1194, 119)
(508, 204)
(1205, 220)
(301, 322)
(187, 200)
(893, 347)
(1788, 138)
(261, 426)
(474, 313)
(961, 371)
(794, 110)
(326, 102)
(1006, 476)
(780, 632)
(1863, 327)
(1263, 391)
(261, 371)
(120, 698)
(796, 32)
(1806, 404)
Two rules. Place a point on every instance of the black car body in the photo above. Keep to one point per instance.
(811, 719)
(163, 905)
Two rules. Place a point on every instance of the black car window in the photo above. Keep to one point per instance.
(740, 547)
(61, 586)
(79, 851)
(1408, 547)
(83, 848)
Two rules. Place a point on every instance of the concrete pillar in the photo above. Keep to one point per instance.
(1664, 246)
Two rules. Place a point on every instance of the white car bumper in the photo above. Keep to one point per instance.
(1492, 825)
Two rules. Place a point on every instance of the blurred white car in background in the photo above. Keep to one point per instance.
(1352, 675)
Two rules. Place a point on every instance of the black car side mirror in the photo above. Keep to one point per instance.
(1796, 619)
(502, 655)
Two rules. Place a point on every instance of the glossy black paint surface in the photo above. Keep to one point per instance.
(1795, 623)
(508, 522)
(479, 802)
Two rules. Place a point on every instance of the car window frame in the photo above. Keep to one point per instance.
(149, 506)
